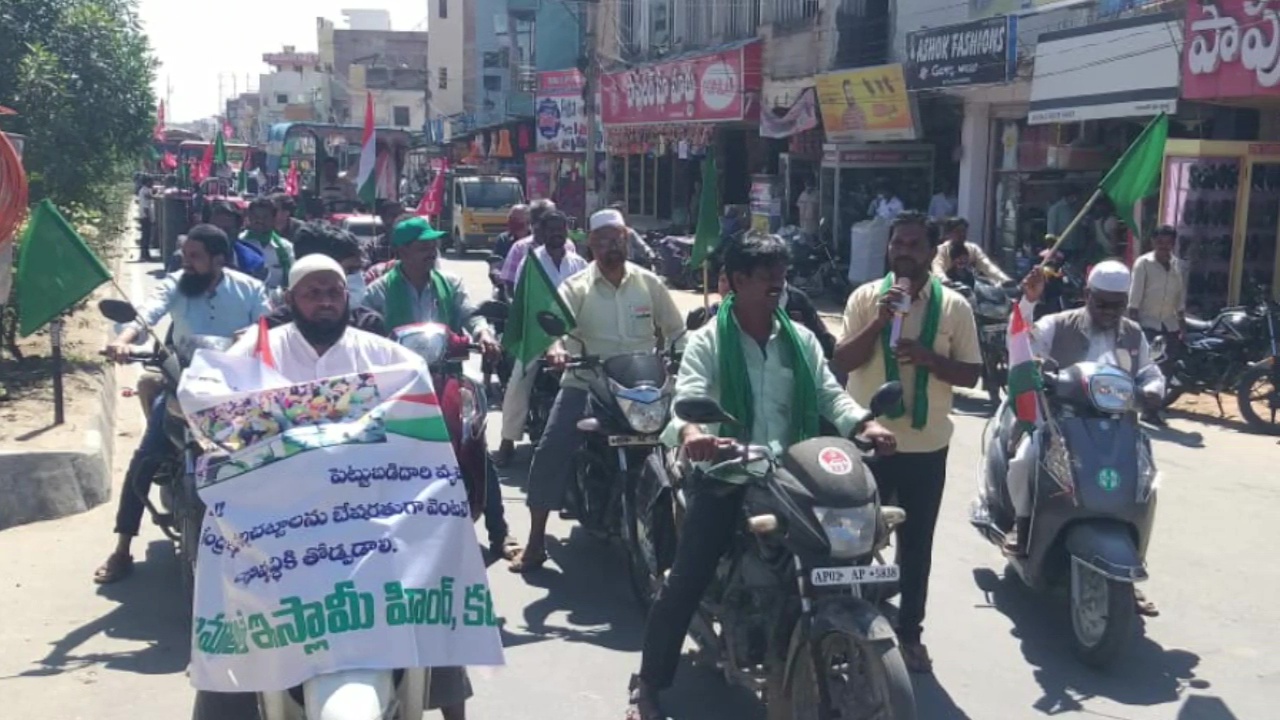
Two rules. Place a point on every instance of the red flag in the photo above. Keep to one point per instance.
(291, 179)
(206, 163)
(169, 161)
(263, 350)
(159, 130)
(432, 204)
(226, 130)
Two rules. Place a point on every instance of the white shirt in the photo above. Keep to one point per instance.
(941, 206)
(1158, 294)
(886, 208)
(1102, 349)
(356, 351)
(571, 264)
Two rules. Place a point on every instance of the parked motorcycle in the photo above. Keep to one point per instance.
(1094, 489)
(180, 513)
(674, 252)
(992, 305)
(815, 267)
(793, 612)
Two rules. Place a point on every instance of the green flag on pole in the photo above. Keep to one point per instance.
(1137, 174)
(56, 269)
(242, 180)
(707, 235)
(523, 337)
(219, 152)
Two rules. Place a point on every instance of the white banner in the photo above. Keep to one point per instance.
(338, 536)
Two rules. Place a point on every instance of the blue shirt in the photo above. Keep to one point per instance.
(232, 305)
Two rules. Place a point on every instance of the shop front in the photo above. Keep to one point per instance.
(789, 123)
(558, 169)
(661, 119)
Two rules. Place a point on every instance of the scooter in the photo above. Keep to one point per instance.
(1094, 493)
(992, 304)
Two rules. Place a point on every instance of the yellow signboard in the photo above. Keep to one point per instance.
(866, 104)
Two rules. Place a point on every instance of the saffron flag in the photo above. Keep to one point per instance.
(366, 177)
(263, 350)
(1025, 382)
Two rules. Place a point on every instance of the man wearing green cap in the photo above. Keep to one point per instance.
(415, 290)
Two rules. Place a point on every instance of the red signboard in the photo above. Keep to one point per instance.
(558, 83)
(1232, 49)
(706, 88)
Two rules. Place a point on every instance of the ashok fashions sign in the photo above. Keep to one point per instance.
(984, 51)
(1232, 49)
(561, 113)
(706, 88)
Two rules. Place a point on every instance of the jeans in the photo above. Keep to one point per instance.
(705, 535)
(914, 482)
(142, 467)
(552, 464)
(495, 515)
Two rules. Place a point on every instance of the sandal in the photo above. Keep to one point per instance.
(116, 568)
(916, 657)
(642, 703)
(507, 548)
(523, 562)
(1145, 607)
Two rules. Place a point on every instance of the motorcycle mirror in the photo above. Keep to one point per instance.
(886, 398)
(493, 310)
(495, 260)
(551, 323)
(120, 311)
(702, 410)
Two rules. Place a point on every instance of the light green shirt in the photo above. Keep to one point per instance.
(770, 372)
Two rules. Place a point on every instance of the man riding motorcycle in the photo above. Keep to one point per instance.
(260, 251)
(955, 245)
(769, 373)
(203, 298)
(517, 229)
(1098, 332)
(521, 248)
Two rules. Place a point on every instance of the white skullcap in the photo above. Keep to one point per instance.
(1109, 276)
(315, 263)
(607, 218)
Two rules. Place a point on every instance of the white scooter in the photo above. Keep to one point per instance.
(346, 695)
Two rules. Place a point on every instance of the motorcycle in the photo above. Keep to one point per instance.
(501, 366)
(992, 305)
(674, 252)
(793, 613)
(815, 267)
(180, 512)
(1094, 493)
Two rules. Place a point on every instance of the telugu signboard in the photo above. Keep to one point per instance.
(866, 105)
(1232, 49)
(705, 88)
(561, 118)
(983, 51)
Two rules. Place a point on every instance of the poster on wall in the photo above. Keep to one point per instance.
(866, 105)
(562, 115)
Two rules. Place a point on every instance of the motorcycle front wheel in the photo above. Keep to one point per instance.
(1259, 398)
(863, 680)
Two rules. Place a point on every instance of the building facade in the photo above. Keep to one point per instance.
(393, 66)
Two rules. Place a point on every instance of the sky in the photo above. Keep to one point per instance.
(195, 43)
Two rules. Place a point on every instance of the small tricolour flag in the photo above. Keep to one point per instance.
(417, 416)
(366, 176)
(263, 349)
(1025, 382)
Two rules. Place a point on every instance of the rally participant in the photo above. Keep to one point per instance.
(750, 340)
(261, 251)
(620, 308)
(318, 344)
(325, 239)
(794, 302)
(1097, 332)
(1158, 298)
(517, 229)
(203, 298)
(937, 349)
(285, 224)
(561, 263)
(955, 244)
(515, 256)
(332, 187)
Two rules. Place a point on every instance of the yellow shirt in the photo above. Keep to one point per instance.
(618, 320)
(957, 339)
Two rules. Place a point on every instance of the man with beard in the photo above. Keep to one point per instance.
(909, 327)
(518, 252)
(203, 298)
(319, 343)
(286, 225)
(620, 308)
(261, 251)
(560, 263)
(325, 239)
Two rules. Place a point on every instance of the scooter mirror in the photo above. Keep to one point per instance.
(120, 311)
(886, 398)
(551, 323)
(491, 310)
(702, 410)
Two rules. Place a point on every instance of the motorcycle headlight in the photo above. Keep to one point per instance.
(642, 407)
(1111, 393)
(850, 531)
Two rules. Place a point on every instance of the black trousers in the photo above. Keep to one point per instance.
(144, 229)
(704, 537)
(913, 482)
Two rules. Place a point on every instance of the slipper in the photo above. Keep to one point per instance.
(1145, 607)
(116, 568)
(916, 658)
(507, 548)
(523, 562)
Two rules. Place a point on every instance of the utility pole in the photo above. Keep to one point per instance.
(589, 103)
(168, 94)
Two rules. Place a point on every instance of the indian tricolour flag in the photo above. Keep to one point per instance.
(366, 178)
(1024, 376)
(417, 415)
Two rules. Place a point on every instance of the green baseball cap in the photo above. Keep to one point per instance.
(413, 230)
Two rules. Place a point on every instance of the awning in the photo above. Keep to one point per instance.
(1123, 68)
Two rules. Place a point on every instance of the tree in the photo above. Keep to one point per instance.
(79, 74)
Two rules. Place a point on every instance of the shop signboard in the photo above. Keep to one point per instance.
(1232, 50)
(706, 88)
(991, 8)
(983, 51)
(561, 113)
(868, 104)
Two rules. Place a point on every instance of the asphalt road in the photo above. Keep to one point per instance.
(572, 633)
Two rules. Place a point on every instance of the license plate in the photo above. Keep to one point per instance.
(630, 440)
(828, 577)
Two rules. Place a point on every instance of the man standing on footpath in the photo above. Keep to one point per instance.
(909, 327)
(1158, 296)
(620, 308)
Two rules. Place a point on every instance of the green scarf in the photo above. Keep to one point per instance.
(928, 333)
(400, 297)
(735, 384)
(282, 254)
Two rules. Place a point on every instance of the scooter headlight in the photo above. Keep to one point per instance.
(850, 531)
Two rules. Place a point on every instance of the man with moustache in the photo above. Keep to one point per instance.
(909, 327)
(620, 308)
(260, 247)
(203, 298)
(751, 339)
(319, 343)
(519, 250)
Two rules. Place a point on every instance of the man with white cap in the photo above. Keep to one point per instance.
(620, 309)
(319, 343)
(1098, 332)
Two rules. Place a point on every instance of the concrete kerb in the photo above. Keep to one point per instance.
(46, 485)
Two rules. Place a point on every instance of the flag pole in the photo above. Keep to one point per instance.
(1057, 243)
(55, 337)
(706, 288)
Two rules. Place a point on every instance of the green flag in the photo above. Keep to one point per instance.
(707, 235)
(1137, 174)
(523, 336)
(219, 152)
(56, 269)
(242, 180)
(184, 175)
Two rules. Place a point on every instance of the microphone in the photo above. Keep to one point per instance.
(900, 310)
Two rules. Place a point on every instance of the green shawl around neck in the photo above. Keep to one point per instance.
(398, 309)
(928, 334)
